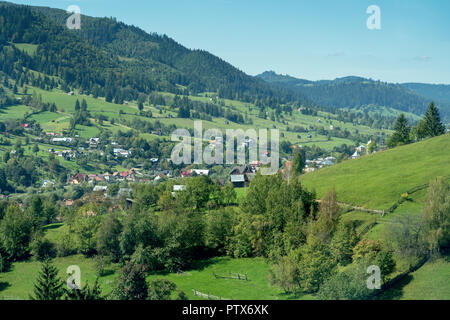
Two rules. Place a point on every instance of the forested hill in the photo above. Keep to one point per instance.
(121, 61)
(356, 92)
(440, 93)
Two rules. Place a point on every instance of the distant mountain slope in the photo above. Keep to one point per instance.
(378, 180)
(439, 92)
(356, 92)
(147, 62)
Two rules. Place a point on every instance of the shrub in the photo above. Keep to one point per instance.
(42, 248)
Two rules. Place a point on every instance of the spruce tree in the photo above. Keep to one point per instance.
(299, 161)
(48, 285)
(85, 293)
(433, 125)
(84, 105)
(402, 132)
(77, 105)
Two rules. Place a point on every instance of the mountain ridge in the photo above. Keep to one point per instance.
(355, 92)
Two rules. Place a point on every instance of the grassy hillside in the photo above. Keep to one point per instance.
(430, 282)
(18, 283)
(378, 180)
(201, 278)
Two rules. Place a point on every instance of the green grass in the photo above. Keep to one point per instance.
(201, 278)
(18, 283)
(66, 103)
(14, 112)
(27, 47)
(430, 282)
(412, 206)
(377, 181)
(240, 193)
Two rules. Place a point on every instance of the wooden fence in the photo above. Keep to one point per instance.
(208, 296)
(237, 276)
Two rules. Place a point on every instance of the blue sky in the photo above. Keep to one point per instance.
(315, 39)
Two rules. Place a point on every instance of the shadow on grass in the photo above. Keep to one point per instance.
(291, 296)
(107, 272)
(52, 226)
(197, 265)
(395, 292)
(4, 285)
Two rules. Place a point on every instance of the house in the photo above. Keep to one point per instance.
(124, 153)
(107, 177)
(121, 152)
(241, 176)
(178, 187)
(78, 178)
(355, 155)
(200, 172)
(185, 173)
(100, 188)
(238, 180)
(25, 125)
(68, 140)
(93, 143)
(47, 183)
(310, 169)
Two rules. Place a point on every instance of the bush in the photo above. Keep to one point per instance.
(4, 263)
(162, 289)
(101, 264)
(349, 284)
(66, 246)
(42, 248)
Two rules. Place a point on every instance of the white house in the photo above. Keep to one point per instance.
(179, 187)
(121, 152)
(47, 183)
(355, 155)
(100, 188)
(201, 172)
(68, 140)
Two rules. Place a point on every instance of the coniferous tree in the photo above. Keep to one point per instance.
(84, 105)
(299, 161)
(48, 285)
(433, 126)
(402, 132)
(77, 105)
(85, 293)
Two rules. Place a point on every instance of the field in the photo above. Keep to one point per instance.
(430, 282)
(201, 279)
(18, 283)
(378, 180)
(65, 103)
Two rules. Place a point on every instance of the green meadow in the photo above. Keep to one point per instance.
(378, 180)
(430, 282)
(18, 283)
(201, 278)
